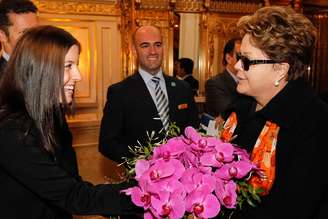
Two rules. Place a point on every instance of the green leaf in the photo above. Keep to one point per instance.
(256, 197)
(251, 203)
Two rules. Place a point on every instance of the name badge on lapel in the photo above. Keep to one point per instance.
(182, 106)
(173, 84)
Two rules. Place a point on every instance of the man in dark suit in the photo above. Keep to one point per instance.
(131, 109)
(221, 89)
(15, 17)
(3, 63)
(185, 68)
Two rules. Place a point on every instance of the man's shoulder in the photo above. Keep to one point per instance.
(125, 83)
(175, 82)
(216, 78)
(223, 77)
(191, 78)
(3, 63)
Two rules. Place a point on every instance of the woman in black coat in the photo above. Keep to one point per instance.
(279, 120)
(38, 170)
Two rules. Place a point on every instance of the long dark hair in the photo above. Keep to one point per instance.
(33, 80)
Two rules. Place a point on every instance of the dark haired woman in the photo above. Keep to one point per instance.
(38, 169)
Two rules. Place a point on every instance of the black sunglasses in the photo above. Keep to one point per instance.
(245, 62)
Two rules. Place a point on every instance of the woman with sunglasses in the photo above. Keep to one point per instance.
(278, 119)
(38, 170)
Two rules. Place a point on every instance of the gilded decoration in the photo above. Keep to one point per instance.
(126, 28)
(150, 17)
(79, 7)
(223, 6)
(234, 6)
(222, 28)
(155, 4)
(189, 6)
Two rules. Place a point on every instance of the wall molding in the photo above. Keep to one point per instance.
(108, 8)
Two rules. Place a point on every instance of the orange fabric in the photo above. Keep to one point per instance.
(263, 154)
(229, 127)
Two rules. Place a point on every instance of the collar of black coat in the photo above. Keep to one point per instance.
(283, 109)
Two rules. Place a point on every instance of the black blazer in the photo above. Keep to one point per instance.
(193, 82)
(130, 112)
(300, 189)
(220, 91)
(35, 184)
(3, 63)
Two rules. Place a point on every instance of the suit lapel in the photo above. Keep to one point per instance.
(142, 93)
(231, 83)
(3, 63)
(170, 88)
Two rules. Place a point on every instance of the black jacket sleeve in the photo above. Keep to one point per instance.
(111, 140)
(25, 162)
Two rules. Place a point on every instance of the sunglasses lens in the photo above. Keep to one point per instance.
(245, 62)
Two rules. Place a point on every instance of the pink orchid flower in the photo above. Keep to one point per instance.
(168, 205)
(149, 215)
(189, 159)
(226, 192)
(172, 149)
(141, 167)
(174, 186)
(223, 153)
(193, 179)
(162, 171)
(202, 204)
(235, 169)
(198, 142)
(242, 154)
(141, 196)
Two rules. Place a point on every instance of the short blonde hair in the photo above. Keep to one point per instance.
(284, 35)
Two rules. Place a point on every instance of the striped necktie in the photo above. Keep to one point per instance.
(162, 103)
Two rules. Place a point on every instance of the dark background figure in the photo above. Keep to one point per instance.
(185, 67)
(220, 90)
(16, 16)
(131, 110)
(38, 168)
(324, 96)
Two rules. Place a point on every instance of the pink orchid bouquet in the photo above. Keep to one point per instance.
(191, 176)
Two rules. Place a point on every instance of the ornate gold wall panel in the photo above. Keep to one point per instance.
(189, 6)
(234, 6)
(155, 4)
(192, 6)
(317, 74)
(109, 7)
(126, 28)
(220, 29)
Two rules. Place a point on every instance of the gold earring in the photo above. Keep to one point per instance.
(276, 83)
